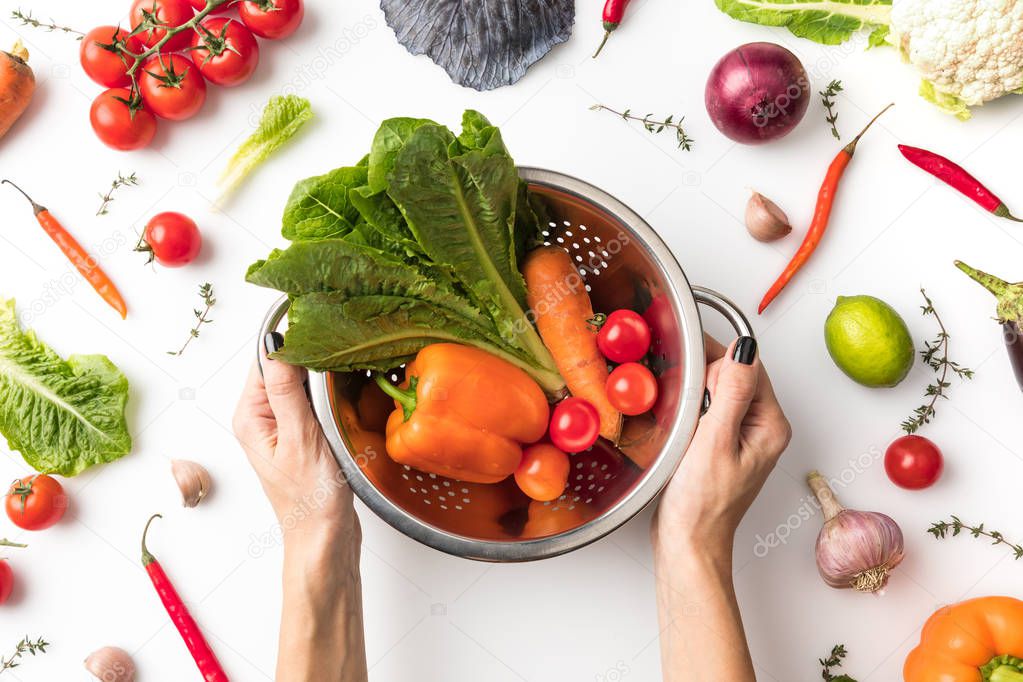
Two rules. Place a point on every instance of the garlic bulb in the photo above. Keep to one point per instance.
(764, 220)
(854, 549)
(193, 480)
(111, 664)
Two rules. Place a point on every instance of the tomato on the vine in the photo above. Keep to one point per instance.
(226, 52)
(624, 337)
(543, 472)
(101, 60)
(631, 389)
(200, 5)
(913, 462)
(116, 125)
(158, 14)
(36, 502)
(6, 580)
(171, 238)
(273, 19)
(575, 425)
(172, 86)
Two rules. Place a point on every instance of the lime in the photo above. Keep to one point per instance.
(869, 341)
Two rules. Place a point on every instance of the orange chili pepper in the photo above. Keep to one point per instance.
(821, 214)
(76, 253)
(973, 641)
(463, 413)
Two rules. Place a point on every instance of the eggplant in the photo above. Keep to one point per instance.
(1009, 311)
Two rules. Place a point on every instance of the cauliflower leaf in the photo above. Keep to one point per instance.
(944, 101)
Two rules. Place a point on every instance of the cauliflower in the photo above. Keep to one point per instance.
(968, 52)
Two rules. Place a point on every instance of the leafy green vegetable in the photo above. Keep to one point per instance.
(62, 415)
(282, 118)
(830, 22)
(377, 273)
(944, 101)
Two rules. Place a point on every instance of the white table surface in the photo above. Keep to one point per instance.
(589, 615)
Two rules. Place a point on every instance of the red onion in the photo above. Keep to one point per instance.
(757, 92)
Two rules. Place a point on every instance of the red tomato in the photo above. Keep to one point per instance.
(171, 238)
(225, 51)
(631, 389)
(36, 502)
(6, 580)
(624, 337)
(543, 472)
(167, 13)
(199, 5)
(273, 19)
(913, 462)
(575, 425)
(172, 86)
(100, 59)
(116, 126)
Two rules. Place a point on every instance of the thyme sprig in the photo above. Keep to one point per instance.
(935, 356)
(655, 125)
(942, 529)
(27, 19)
(828, 97)
(121, 181)
(838, 652)
(4, 542)
(25, 646)
(201, 316)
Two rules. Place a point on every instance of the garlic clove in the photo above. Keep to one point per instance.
(111, 664)
(764, 220)
(193, 480)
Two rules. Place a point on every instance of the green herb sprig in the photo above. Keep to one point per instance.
(838, 653)
(121, 181)
(25, 646)
(201, 316)
(4, 542)
(655, 125)
(828, 97)
(942, 529)
(935, 356)
(27, 19)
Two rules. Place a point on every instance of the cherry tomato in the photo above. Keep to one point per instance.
(199, 5)
(225, 52)
(631, 389)
(624, 337)
(172, 86)
(543, 472)
(171, 238)
(167, 13)
(913, 462)
(115, 124)
(6, 580)
(36, 502)
(575, 425)
(100, 59)
(273, 19)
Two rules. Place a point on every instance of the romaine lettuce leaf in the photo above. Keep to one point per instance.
(63, 416)
(320, 208)
(389, 139)
(829, 22)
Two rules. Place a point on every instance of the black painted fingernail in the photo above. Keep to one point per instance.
(273, 342)
(745, 350)
(706, 402)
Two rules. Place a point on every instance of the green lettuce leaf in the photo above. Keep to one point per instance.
(383, 216)
(320, 207)
(945, 101)
(282, 117)
(829, 22)
(389, 139)
(62, 415)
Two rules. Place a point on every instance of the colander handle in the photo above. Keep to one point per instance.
(270, 323)
(731, 312)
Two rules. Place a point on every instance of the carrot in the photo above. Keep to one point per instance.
(557, 297)
(17, 83)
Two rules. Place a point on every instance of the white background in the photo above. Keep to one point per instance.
(589, 615)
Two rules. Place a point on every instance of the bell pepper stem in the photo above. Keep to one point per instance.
(406, 397)
(1006, 673)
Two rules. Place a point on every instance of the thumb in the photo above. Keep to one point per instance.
(285, 391)
(736, 387)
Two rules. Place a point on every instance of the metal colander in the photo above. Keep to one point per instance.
(625, 265)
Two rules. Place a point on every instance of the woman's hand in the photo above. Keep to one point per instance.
(736, 445)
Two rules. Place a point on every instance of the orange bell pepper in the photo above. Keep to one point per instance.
(979, 640)
(463, 413)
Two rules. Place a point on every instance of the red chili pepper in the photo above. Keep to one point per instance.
(79, 257)
(955, 176)
(825, 200)
(614, 11)
(201, 652)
